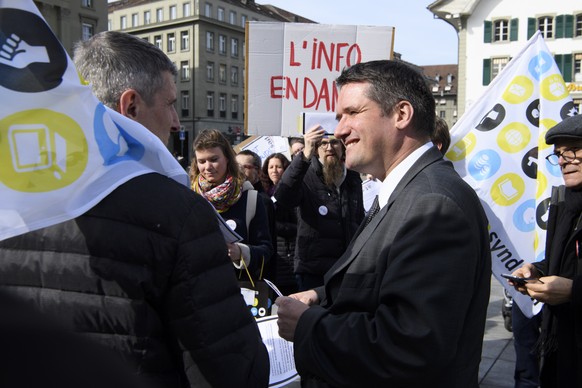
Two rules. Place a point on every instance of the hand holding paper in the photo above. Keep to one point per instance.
(289, 312)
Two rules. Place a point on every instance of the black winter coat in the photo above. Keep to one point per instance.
(562, 323)
(327, 220)
(146, 273)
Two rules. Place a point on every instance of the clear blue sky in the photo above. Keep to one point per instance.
(419, 37)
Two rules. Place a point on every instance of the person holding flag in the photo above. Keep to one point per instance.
(557, 280)
(132, 259)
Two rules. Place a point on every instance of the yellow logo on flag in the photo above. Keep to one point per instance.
(44, 151)
(507, 189)
(462, 148)
(553, 88)
(519, 90)
(514, 137)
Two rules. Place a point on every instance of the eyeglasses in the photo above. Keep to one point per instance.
(247, 166)
(332, 143)
(568, 155)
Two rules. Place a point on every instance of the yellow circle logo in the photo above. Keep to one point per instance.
(553, 88)
(462, 148)
(545, 125)
(507, 189)
(514, 137)
(519, 90)
(41, 150)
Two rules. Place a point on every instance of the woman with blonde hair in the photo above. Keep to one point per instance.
(215, 175)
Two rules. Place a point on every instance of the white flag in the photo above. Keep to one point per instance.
(498, 147)
(61, 150)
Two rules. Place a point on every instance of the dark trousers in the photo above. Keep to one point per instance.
(525, 335)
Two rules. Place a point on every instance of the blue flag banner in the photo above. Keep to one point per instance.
(498, 147)
(61, 150)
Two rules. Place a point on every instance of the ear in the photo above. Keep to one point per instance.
(403, 112)
(130, 103)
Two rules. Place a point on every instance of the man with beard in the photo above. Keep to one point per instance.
(329, 199)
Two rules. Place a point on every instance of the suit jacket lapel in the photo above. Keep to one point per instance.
(361, 238)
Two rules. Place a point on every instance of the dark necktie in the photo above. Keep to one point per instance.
(374, 209)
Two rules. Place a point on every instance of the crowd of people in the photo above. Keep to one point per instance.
(396, 296)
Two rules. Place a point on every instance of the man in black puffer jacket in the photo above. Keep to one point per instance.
(329, 199)
(145, 272)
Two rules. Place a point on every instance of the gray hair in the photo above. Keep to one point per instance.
(114, 62)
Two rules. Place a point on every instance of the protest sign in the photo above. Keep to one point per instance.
(498, 147)
(291, 68)
(265, 146)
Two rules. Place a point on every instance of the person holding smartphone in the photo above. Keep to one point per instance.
(559, 275)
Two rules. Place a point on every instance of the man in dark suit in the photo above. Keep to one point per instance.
(405, 306)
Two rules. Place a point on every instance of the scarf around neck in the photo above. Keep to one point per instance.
(221, 196)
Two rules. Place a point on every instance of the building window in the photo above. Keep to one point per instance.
(222, 44)
(173, 12)
(210, 71)
(234, 107)
(243, 50)
(443, 114)
(234, 75)
(578, 67)
(209, 41)
(184, 40)
(185, 70)
(234, 47)
(220, 13)
(232, 17)
(87, 3)
(578, 25)
(222, 73)
(159, 15)
(222, 104)
(146, 38)
(208, 10)
(185, 103)
(134, 20)
(243, 20)
(546, 26)
(186, 10)
(492, 67)
(569, 65)
(87, 31)
(210, 104)
(147, 17)
(171, 42)
(123, 22)
(501, 30)
(158, 42)
(498, 64)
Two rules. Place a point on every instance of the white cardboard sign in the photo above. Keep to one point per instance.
(291, 68)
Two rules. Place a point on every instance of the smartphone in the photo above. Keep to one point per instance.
(516, 279)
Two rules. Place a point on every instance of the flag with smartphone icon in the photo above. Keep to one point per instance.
(498, 147)
(61, 150)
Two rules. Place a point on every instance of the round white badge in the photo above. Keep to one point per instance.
(231, 224)
(323, 210)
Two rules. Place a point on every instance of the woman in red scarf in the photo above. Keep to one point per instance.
(215, 175)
